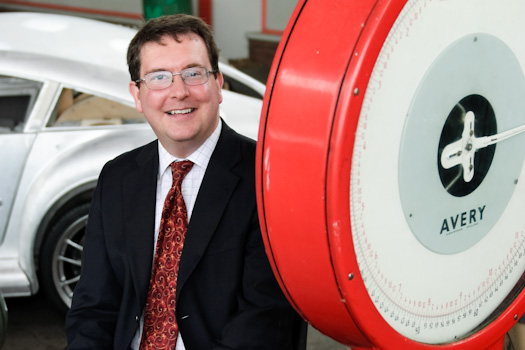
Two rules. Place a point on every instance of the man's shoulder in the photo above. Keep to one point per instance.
(135, 157)
(230, 135)
(235, 152)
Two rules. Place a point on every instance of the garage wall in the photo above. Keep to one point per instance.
(232, 19)
(278, 13)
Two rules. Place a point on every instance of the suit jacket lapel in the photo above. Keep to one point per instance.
(139, 196)
(215, 192)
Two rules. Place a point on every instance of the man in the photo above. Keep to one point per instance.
(220, 293)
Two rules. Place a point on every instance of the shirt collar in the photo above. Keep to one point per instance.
(201, 156)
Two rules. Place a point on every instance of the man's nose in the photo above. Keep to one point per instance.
(178, 88)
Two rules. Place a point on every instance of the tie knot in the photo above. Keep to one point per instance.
(180, 169)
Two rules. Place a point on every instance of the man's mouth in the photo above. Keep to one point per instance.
(181, 111)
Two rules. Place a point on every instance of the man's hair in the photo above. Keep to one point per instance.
(172, 25)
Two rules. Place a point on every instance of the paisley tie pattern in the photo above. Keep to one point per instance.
(160, 326)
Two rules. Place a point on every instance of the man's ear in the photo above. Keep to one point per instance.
(135, 93)
(220, 81)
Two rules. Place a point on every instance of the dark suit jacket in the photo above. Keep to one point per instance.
(227, 297)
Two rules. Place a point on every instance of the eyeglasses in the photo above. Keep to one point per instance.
(163, 79)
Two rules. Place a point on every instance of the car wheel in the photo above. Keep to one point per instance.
(60, 257)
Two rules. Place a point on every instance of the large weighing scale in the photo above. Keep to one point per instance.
(390, 172)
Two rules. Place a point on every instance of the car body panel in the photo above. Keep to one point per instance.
(16, 160)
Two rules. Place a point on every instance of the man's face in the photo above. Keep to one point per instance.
(181, 116)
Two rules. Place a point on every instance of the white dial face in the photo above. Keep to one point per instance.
(437, 183)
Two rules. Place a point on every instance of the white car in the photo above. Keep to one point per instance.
(65, 110)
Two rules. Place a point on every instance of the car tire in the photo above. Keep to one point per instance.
(3, 320)
(60, 257)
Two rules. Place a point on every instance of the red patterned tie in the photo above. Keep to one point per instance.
(160, 326)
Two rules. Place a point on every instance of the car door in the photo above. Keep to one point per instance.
(17, 98)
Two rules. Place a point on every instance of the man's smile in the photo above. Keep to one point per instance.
(181, 111)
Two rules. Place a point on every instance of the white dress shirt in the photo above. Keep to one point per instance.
(190, 189)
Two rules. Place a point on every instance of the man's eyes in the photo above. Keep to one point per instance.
(192, 73)
(159, 77)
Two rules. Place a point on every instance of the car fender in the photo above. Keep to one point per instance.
(60, 166)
